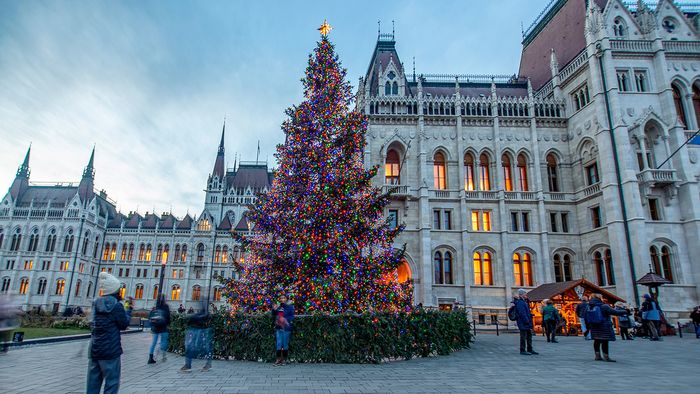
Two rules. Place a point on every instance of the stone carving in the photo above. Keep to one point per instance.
(693, 157)
(630, 112)
(587, 125)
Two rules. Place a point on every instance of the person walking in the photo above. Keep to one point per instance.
(198, 339)
(651, 317)
(695, 317)
(601, 327)
(624, 321)
(181, 309)
(283, 315)
(109, 318)
(160, 320)
(550, 317)
(524, 320)
(581, 314)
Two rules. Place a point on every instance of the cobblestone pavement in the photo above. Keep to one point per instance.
(492, 365)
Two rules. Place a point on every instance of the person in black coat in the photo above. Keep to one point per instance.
(160, 320)
(601, 326)
(524, 321)
(105, 344)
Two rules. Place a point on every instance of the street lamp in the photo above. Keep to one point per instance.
(163, 260)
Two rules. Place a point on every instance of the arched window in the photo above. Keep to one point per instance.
(619, 28)
(696, 105)
(2, 238)
(177, 253)
(166, 252)
(5, 285)
(105, 255)
(217, 254)
(142, 252)
(609, 271)
(183, 256)
(395, 88)
(217, 293)
(507, 173)
(196, 293)
(33, 241)
(77, 287)
(204, 225)
(51, 241)
(522, 172)
(392, 168)
(148, 252)
(562, 268)
(448, 268)
(122, 257)
(403, 272)
(655, 260)
(122, 291)
(387, 88)
(483, 269)
(439, 171)
(155, 292)
(89, 289)
(224, 255)
(522, 268)
(86, 240)
(484, 172)
(437, 267)
(175, 293)
(678, 101)
(604, 267)
(130, 256)
(552, 173)
(41, 288)
(469, 172)
(159, 253)
(138, 292)
(23, 286)
(60, 286)
(666, 270)
(200, 253)
(68, 242)
(96, 247)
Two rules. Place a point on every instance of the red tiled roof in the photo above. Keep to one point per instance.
(150, 221)
(225, 224)
(133, 221)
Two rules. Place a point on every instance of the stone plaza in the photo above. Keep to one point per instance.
(492, 365)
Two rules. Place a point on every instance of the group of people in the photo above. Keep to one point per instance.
(110, 317)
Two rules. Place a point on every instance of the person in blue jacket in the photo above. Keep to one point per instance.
(524, 321)
(598, 321)
(109, 318)
(283, 315)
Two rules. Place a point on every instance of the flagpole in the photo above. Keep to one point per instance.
(679, 148)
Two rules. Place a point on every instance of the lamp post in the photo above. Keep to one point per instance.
(163, 260)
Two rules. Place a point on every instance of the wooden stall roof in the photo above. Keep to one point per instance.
(652, 279)
(550, 290)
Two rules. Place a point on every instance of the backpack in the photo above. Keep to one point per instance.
(594, 315)
(512, 313)
(157, 318)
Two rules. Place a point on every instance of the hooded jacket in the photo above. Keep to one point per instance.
(603, 331)
(109, 318)
(522, 308)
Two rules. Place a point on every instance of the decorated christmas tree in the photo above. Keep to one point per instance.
(319, 233)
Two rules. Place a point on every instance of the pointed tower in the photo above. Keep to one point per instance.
(21, 182)
(216, 184)
(87, 186)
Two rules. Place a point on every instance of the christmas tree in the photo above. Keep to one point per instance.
(320, 234)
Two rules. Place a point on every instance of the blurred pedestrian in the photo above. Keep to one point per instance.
(550, 317)
(581, 309)
(624, 321)
(109, 318)
(521, 308)
(283, 315)
(695, 317)
(9, 321)
(181, 309)
(601, 327)
(160, 320)
(190, 311)
(651, 316)
(198, 338)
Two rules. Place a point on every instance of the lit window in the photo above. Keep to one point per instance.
(439, 172)
(148, 252)
(469, 172)
(60, 286)
(403, 272)
(392, 168)
(23, 286)
(122, 291)
(522, 172)
(138, 293)
(522, 268)
(507, 173)
(482, 269)
(175, 293)
(196, 293)
(217, 293)
(484, 175)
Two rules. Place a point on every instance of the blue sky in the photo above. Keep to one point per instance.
(149, 82)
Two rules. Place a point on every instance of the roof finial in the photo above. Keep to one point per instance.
(392, 28)
(414, 69)
(223, 131)
(379, 27)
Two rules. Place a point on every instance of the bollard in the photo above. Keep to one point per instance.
(497, 334)
(680, 332)
(474, 325)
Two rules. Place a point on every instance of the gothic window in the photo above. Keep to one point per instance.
(522, 172)
(507, 172)
(138, 291)
(68, 242)
(438, 268)
(142, 252)
(60, 286)
(155, 292)
(105, 255)
(125, 249)
(96, 247)
(602, 260)
(483, 268)
(217, 293)
(23, 286)
(130, 255)
(2, 237)
(41, 288)
(51, 241)
(86, 240)
(387, 88)
(661, 261)
(200, 253)
(669, 24)
(562, 268)
(183, 256)
(204, 225)
(113, 252)
(166, 252)
(623, 80)
(469, 172)
(395, 88)
(16, 240)
(217, 254)
(403, 272)
(77, 287)
(196, 293)
(89, 289)
(148, 252)
(176, 258)
(175, 293)
(122, 291)
(159, 253)
(696, 107)
(640, 80)
(678, 101)
(5, 285)
(224, 254)
(619, 28)
(392, 168)
(592, 174)
(522, 268)
(484, 172)
(439, 171)
(581, 97)
(552, 173)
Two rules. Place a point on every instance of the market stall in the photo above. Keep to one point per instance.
(566, 296)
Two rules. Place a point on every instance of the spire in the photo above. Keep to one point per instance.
(86, 188)
(219, 163)
(21, 182)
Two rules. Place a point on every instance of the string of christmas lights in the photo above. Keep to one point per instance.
(320, 234)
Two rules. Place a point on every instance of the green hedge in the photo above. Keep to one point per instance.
(349, 338)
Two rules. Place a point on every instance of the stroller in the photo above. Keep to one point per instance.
(639, 330)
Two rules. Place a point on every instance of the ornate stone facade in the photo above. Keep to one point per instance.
(514, 181)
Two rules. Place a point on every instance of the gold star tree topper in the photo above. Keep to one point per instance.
(325, 28)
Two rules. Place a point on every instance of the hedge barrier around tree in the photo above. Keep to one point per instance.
(346, 338)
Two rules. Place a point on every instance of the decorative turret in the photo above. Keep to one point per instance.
(218, 173)
(87, 186)
(21, 182)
